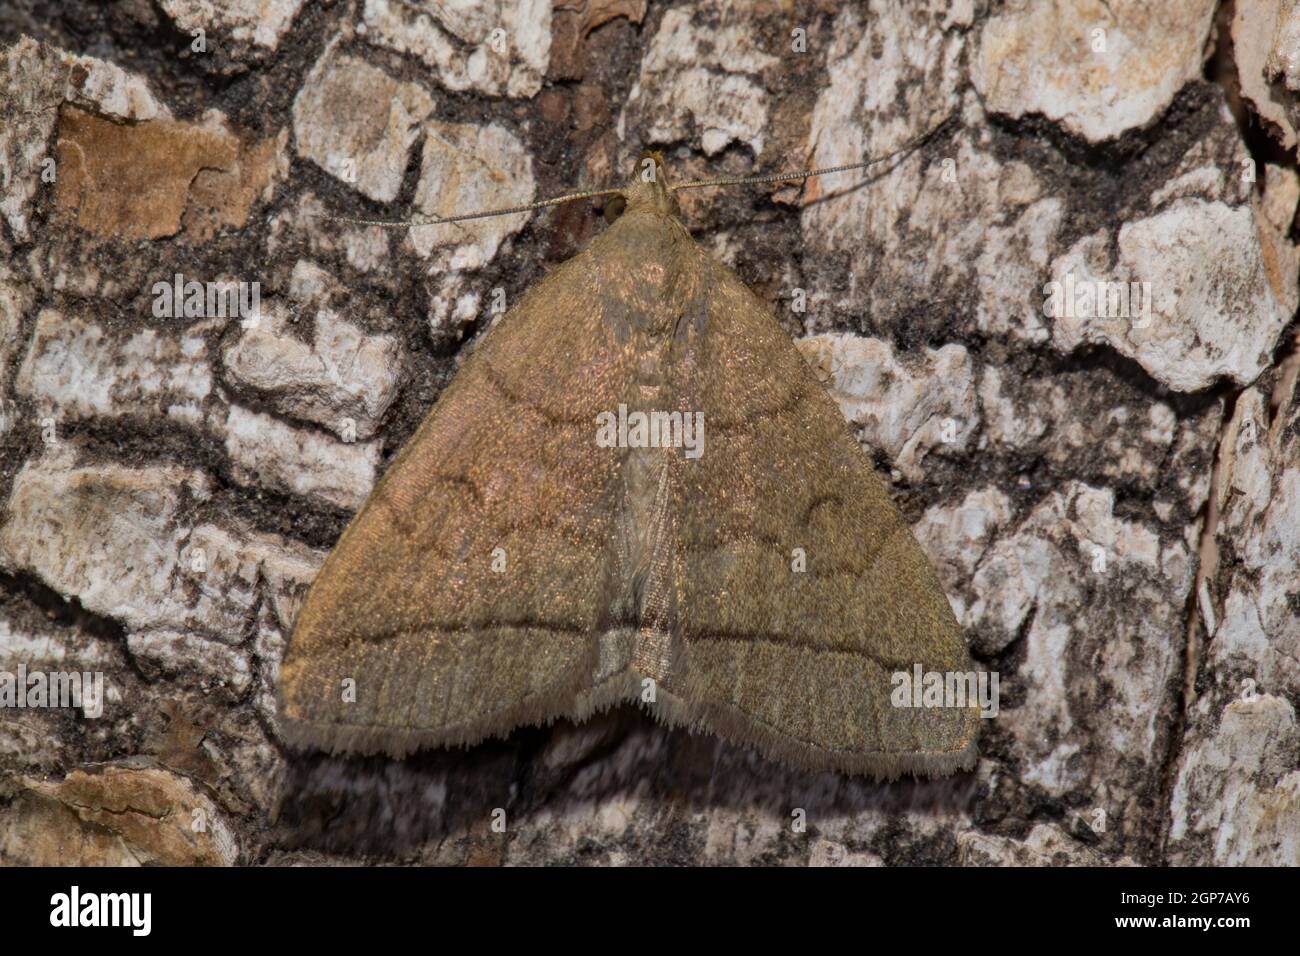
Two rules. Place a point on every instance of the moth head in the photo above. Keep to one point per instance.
(648, 189)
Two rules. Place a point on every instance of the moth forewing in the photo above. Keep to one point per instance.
(560, 536)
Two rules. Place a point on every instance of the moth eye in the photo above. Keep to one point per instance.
(614, 208)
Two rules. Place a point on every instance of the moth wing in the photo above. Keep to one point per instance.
(800, 663)
(464, 598)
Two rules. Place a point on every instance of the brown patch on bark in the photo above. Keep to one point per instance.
(572, 22)
(142, 180)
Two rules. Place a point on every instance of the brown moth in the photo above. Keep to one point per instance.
(510, 568)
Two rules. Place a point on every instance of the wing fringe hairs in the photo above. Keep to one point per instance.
(507, 570)
(720, 720)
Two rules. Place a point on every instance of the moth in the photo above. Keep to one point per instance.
(512, 567)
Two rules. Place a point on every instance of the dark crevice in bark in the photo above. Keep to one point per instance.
(61, 611)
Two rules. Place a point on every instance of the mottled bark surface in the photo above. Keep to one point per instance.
(1113, 502)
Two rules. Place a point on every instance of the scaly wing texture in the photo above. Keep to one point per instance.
(448, 639)
(621, 564)
(799, 663)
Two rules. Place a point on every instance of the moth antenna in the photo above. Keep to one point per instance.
(595, 193)
(446, 220)
(809, 173)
